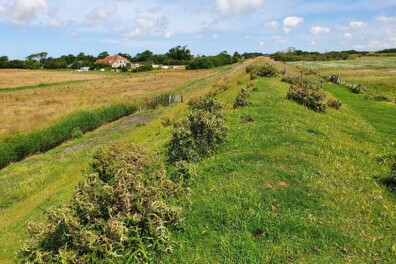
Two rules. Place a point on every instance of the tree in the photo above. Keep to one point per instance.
(103, 55)
(144, 56)
(179, 53)
(3, 61)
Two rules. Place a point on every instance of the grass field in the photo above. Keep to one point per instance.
(30, 109)
(377, 74)
(11, 78)
(293, 186)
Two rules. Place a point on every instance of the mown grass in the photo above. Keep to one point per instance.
(294, 186)
(20, 146)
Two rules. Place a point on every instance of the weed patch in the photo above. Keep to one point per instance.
(308, 96)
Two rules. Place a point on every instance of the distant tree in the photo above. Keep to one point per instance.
(38, 56)
(126, 56)
(3, 61)
(69, 59)
(145, 56)
(31, 64)
(236, 57)
(55, 63)
(179, 53)
(103, 55)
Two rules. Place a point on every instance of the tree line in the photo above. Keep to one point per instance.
(179, 55)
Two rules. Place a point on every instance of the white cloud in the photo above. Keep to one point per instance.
(168, 34)
(215, 36)
(2, 10)
(347, 35)
(354, 25)
(313, 43)
(238, 7)
(262, 43)
(145, 25)
(100, 15)
(25, 12)
(290, 23)
(319, 30)
(386, 20)
(273, 25)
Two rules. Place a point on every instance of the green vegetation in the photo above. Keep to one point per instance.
(309, 96)
(210, 62)
(199, 133)
(242, 99)
(290, 185)
(20, 146)
(293, 54)
(120, 212)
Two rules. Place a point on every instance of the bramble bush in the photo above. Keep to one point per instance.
(333, 103)
(121, 213)
(259, 70)
(242, 98)
(308, 96)
(201, 131)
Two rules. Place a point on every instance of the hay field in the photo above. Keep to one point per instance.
(27, 110)
(11, 78)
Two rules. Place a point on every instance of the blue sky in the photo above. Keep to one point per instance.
(206, 27)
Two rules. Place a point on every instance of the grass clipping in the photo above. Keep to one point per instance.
(121, 212)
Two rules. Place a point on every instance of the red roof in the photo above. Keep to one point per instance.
(111, 59)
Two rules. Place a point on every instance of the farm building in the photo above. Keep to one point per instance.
(115, 61)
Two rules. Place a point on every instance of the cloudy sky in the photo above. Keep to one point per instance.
(205, 26)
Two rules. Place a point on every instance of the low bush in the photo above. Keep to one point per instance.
(120, 214)
(183, 172)
(308, 96)
(18, 147)
(258, 70)
(267, 70)
(381, 97)
(242, 98)
(143, 68)
(332, 103)
(199, 133)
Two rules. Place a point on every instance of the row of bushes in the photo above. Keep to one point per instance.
(22, 145)
(210, 62)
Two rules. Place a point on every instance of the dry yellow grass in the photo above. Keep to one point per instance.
(22, 111)
(10, 78)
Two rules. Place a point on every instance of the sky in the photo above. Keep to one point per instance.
(206, 27)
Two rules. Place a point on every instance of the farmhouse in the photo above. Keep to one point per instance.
(115, 61)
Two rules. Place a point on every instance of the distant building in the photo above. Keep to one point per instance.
(115, 61)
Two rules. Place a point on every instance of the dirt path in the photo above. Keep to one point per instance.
(93, 141)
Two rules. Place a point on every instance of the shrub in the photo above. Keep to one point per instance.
(381, 97)
(257, 70)
(120, 213)
(199, 133)
(165, 121)
(308, 96)
(183, 172)
(336, 104)
(143, 68)
(267, 71)
(242, 98)
(20, 146)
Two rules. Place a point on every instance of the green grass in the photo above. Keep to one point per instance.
(359, 63)
(17, 147)
(294, 186)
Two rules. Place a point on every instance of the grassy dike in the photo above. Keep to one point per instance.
(294, 186)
